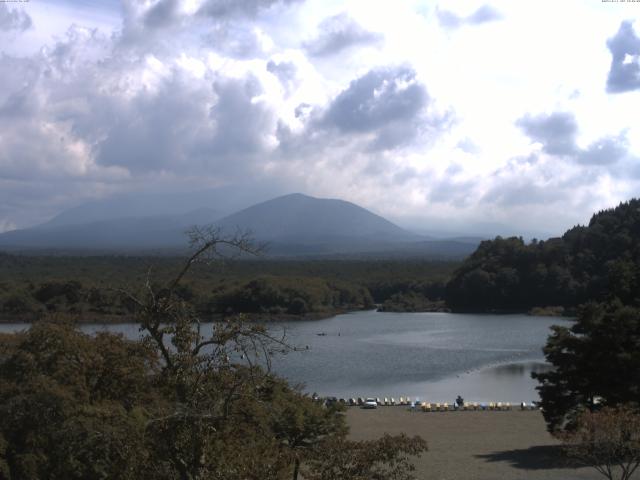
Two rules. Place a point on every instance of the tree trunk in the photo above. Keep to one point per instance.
(296, 468)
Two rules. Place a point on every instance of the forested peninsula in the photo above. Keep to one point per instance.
(598, 262)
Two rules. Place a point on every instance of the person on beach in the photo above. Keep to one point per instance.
(459, 402)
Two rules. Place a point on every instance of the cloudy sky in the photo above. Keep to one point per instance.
(445, 116)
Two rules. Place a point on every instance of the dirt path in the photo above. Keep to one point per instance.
(474, 445)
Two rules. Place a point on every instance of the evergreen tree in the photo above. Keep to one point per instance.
(596, 363)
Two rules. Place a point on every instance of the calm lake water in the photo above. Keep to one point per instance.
(433, 356)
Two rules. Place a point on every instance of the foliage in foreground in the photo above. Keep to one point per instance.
(382, 459)
(178, 404)
(607, 440)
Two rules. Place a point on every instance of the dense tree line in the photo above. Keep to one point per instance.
(91, 286)
(295, 296)
(114, 269)
(262, 295)
(597, 262)
(412, 301)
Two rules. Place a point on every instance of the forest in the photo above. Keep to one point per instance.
(598, 262)
(91, 287)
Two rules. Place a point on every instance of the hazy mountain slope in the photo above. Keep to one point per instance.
(301, 219)
(292, 225)
(296, 224)
(224, 200)
(138, 232)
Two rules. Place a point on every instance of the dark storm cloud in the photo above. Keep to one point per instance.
(13, 19)
(174, 130)
(384, 109)
(624, 74)
(241, 124)
(605, 151)
(153, 130)
(379, 98)
(227, 26)
(36, 111)
(339, 33)
(166, 12)
(162, 13)
(239, 8)
(126, 121)
(484, 14)
(556, 131)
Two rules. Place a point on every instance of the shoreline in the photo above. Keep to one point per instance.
(474, 385)
(110, 319)
(107, 319)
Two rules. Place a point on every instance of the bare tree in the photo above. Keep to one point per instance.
(163, 315)
(607, 440)
(206, 376)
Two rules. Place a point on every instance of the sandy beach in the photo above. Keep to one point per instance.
(474, 445)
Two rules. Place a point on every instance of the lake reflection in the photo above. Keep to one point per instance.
(434, 356)
(507, 383)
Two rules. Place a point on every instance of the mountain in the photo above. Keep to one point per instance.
(308, 220)
(294, 224)
(298, 224)
(162, 231)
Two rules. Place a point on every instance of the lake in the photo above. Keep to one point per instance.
(433, 356)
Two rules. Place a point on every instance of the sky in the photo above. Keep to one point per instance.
(505, 116)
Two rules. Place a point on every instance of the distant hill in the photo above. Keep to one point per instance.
(294, 224)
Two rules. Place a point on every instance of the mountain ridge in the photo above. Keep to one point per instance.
(292, 225)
